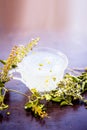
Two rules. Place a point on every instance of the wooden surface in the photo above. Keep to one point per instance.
(65, 118)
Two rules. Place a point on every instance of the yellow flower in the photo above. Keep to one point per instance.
(16, 56)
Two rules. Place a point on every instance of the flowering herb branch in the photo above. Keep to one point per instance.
(69, 89)
(16, 56)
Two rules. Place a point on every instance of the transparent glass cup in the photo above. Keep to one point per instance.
(42, 69)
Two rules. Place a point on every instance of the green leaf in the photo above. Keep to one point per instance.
(1, 84)
(75, 79)
(47, 96)
(64, 103)
(35, 93)
(83, 87)
(28, 105)
(14, 66)
(1, 98)
(3, 62)
(56, 99)
(3, 106)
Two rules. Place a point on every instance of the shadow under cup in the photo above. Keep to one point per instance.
(42, 69)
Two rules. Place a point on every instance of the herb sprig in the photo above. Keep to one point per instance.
(16, 56)
(69, 89)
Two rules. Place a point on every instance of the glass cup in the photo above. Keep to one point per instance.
(42, 69)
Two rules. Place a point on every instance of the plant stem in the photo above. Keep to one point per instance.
(12, 90)
(74, 71)
(78, 69)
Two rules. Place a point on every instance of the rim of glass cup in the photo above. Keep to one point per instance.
(54, 51)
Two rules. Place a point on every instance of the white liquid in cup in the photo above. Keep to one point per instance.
(42, 69)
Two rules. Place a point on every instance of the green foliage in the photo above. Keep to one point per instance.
(69, 89)
(35, 105)
(17, 54)
(2, 96)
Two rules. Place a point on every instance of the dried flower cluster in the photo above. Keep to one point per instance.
(16, 56)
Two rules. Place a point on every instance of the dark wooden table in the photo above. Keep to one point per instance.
(61, 118)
